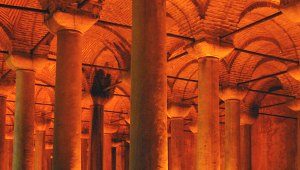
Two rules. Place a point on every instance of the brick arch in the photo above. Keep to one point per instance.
(5, 38)
(118, 42)
(290, 86)
(256, 5)
(46, 95)
(201, 6)
(254, 99)
(50, 91)
(239, 60)
(186, 65)
(186, 18)
(284, 33)
(10, 107)
(233, 58)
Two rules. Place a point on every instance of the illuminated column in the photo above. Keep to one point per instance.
(126, 154)
(48, 157)
(245, 153)
(208, 145)
(2, 130)
(24, 120)
(295, 106)
(23, 153)
(85, 154)
(40, 131)
(9, 148)
(69, 28)
(107, 154)
(208, 140)
(148, 128)
(176, 148)
(107, 146)
(232, 97)
(247, 118)
(120, 153)
(97, 136)
(176, 144)
(100, 96)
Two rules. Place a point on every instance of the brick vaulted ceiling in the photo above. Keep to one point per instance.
(110, 46)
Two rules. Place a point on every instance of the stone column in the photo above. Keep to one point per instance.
(245, 140)
(40, 131)
(107, 154)
(39, 149)
(48, 156)
(208, 140)
(69, 28)
(232, 97)
(100, 96)
(120, 159)
(24, 120)
(148, 128)
(127, 154)
(295, 106)
(85, 154)
(176, 144)
(2, 130)
(97, 136)
(23, 153)
(208, 145)
(177, 113)
(249, 115)
(67, 122)
(8, 148)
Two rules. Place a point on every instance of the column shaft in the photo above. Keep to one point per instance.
(176, 144)
(245, 147)
(23, 152)
(126, 155)
(8, 154)
(48, 159)
(97, 138)
(120, 161)
(208, 140)
(84, 154)
(67, 123)
(148, 128)
(107, 155)
(298, 143)
(2, 130)
(232, 134)
(39, 150)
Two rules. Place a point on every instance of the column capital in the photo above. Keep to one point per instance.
(17, 62)
(48, 145)
(9, 134)
(230, 93)
(178, 110)
(193, 125)
(116, 144)
(294, 105)
(41, 122)
(292, 11)
(249, 114)
(295, 71)
(68, 15)
(85, 133)
(204, 48)
(109, 129)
